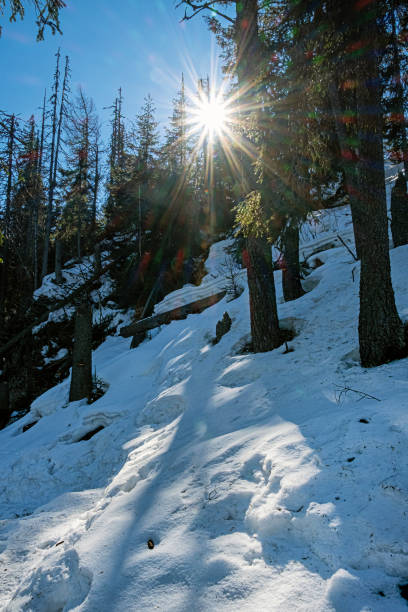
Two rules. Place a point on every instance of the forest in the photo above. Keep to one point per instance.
(266, 219)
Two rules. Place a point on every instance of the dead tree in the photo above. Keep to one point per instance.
(51, 185)
(10, 159)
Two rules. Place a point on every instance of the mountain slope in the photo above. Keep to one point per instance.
(265, 481)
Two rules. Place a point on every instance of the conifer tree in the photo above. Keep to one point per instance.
(175, 151)
(118, 167)
(349, 41)
(248, 69)
(77, 216)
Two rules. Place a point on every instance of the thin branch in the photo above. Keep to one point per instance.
(197, 8)
(344, 390)
(347, 247)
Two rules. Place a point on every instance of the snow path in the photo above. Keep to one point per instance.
(261, 488)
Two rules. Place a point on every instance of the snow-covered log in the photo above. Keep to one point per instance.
(171, 315)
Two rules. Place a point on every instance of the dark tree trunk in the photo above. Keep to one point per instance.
(97, 259)
(38, 194)
(58, 262)
(262, 297)
(81, 377)
(10, 158)
(95, 195)
(291, 285)
(381, 332)
(348, 163)
(78, 240)
(4, 404)
(399, 212)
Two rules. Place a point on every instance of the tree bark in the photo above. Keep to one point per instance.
(381, 334)
(97, 259)
(291, 285)
(399, 104)
(348, 163)
(262, 297)
(10, 158)
(399, 212)
(58, 261)
(4, 404)
(81, 377)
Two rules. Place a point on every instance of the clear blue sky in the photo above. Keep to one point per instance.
(137, 44)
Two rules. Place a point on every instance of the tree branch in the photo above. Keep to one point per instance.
(197, 8)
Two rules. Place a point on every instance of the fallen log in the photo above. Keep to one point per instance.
(171, 315)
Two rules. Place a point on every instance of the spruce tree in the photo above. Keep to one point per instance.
(248, 70)
(77, 185)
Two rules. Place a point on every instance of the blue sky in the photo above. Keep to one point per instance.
(137, 44)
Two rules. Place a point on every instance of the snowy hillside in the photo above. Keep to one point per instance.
(273, 481)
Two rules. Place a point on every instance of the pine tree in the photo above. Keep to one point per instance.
(248, 70)
(115, 209)
(342, 28)
(175, 150)
(77, 186)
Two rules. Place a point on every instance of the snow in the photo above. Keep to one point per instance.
(60, 355)
(74, 274)
(265, 481)
(213, 282)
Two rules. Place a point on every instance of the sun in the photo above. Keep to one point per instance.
(210, 115)
(213, 116)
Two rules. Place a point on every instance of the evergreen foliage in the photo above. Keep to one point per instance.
(46, 11)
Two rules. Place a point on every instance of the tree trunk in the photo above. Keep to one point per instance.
(38, 194)
(399, 212)
(81, 377)
(95, 195)
(4, 404)
(10, 160)
(348, 163)
(381, 332)
(291, 285)
(262, 297)
(58, 262)
(51, 185)
(97, 259)
(261, 284)
(399, 102)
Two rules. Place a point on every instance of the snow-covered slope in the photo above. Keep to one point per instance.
(265, 481)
